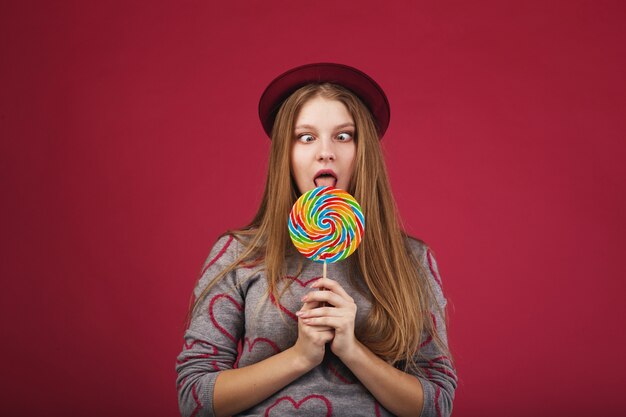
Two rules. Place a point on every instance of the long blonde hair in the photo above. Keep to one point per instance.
(401, 295)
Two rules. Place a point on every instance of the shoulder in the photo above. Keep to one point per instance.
(223, 253)
(424, 254)
(425, 258)
(224, 249)
(227, 250)
(415, 246)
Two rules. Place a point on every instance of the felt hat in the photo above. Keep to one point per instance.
(351, 78)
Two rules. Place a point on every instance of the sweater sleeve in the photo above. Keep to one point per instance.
(210, 342)
(438, 377)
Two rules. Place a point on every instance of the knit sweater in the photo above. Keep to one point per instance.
(238, 325)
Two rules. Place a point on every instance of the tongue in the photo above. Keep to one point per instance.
(325, 180)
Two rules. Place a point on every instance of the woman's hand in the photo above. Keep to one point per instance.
(338, 314)
(311, 343)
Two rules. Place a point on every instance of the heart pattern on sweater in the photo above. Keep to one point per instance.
(226, 332)
(203, 355)
(287, 406)
(431, 266)
(302, 284)
(265, 340)
(338, 370)
(249, 345)
(440, 364)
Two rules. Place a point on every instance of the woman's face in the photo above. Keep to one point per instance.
(324, 149)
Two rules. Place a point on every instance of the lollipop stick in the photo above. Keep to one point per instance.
(323, 289)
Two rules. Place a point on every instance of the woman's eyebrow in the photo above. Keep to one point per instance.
(310, 127)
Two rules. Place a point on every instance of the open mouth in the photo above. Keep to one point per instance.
(325, 178)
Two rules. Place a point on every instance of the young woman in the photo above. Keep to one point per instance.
(262, 340)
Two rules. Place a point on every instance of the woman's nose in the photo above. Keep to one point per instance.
(326, 150)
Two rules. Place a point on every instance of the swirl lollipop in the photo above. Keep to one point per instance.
(326, 225)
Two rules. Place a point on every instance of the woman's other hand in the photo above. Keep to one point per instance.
(311, 343)
(339, 314)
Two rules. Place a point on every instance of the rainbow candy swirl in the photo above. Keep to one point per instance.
(326, 224)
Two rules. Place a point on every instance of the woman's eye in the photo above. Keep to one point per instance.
(305, 137)
(344, 136)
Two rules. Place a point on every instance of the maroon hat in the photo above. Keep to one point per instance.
(351, 78)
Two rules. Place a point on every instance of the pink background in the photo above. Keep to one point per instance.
(130, 141)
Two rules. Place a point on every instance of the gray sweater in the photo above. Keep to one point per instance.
(237, 325)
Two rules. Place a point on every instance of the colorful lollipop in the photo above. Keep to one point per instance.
(326, 224)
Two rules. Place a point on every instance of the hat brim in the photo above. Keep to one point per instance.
(351, 78)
